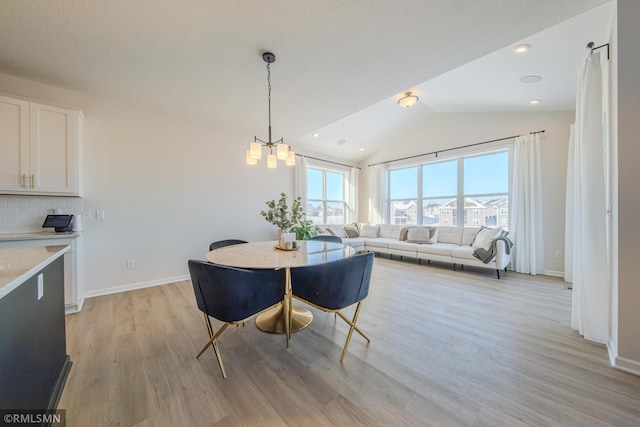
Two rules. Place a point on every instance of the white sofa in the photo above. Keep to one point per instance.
(453, 245)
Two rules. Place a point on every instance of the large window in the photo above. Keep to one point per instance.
(325, 196)
(479, 184)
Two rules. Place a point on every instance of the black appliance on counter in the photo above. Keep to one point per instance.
(60, 223)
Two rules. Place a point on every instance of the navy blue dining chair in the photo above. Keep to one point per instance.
(335, 285)
(232, 295)
(223, 243)
(327, 238)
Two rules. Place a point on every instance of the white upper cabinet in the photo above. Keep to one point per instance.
(40, 146)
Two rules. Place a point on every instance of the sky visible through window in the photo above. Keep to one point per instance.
(335, 185)
(482, 175)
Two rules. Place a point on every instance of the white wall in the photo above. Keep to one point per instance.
(446, 130)
(168, 187)
(627, 97)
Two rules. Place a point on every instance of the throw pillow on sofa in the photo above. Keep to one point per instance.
(370, 231)
(485, 236)
(421, 235)
(351, 231)
(403, 234)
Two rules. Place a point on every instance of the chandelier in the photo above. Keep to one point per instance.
(282, 150)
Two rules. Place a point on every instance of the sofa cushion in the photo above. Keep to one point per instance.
(403, 246)
(468, 234)
(449, 234)
(356, 242)
(437, 249)
(370, 231)
(463, 252)
(390, 231)
(336, 230)
(380, 242)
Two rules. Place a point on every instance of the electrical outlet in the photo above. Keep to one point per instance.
(558, 254)
(131, 263)
(86, 215)
(99, 214)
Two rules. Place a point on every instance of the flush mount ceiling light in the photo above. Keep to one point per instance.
(315, 134)
(407, 100)
(530, 79)
(522, 48)
(535, 101)
(283, 151)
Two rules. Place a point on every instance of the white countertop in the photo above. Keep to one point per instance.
(19, 264)
(36, 235)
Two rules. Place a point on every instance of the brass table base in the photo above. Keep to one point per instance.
(272, 320)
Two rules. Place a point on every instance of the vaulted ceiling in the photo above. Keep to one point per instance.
(341, 65)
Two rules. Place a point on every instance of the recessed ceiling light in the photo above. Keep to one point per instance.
(315, 134)
(522, 48)
(535, 101)
(530, 79)
(341, 142)
(361, 148)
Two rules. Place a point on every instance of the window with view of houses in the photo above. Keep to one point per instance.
(325, 196)
(469, 190)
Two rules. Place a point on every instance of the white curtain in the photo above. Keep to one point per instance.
(378, 194)
(587, 257)
(300, 181)
(525, 224)
(351, 215)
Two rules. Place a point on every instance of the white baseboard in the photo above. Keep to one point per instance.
(554, 273)
(621, 363)
(627, 365)
(134, 286)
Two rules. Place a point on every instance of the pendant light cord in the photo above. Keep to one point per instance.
(269, 95)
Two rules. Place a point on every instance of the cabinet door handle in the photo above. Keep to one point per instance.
(33, 181)
(24, 178)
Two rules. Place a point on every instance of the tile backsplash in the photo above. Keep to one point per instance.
(22, 214)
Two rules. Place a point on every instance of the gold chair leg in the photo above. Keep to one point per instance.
(212, 342)
(353, 326)
(207, 322)
(215, 349)
(350, 323)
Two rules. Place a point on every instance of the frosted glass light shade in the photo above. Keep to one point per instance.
(271, 161)
(251, 160)
(291, 159)
(282, 151)
(408, 100)
(255, 150)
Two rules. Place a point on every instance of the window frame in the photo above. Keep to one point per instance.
(324, 201)
(460, 196)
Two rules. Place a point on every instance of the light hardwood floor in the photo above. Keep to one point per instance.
(447, 348)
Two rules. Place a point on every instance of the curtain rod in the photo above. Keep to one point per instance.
(590, 46)
(327, 161)
(454, 148)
